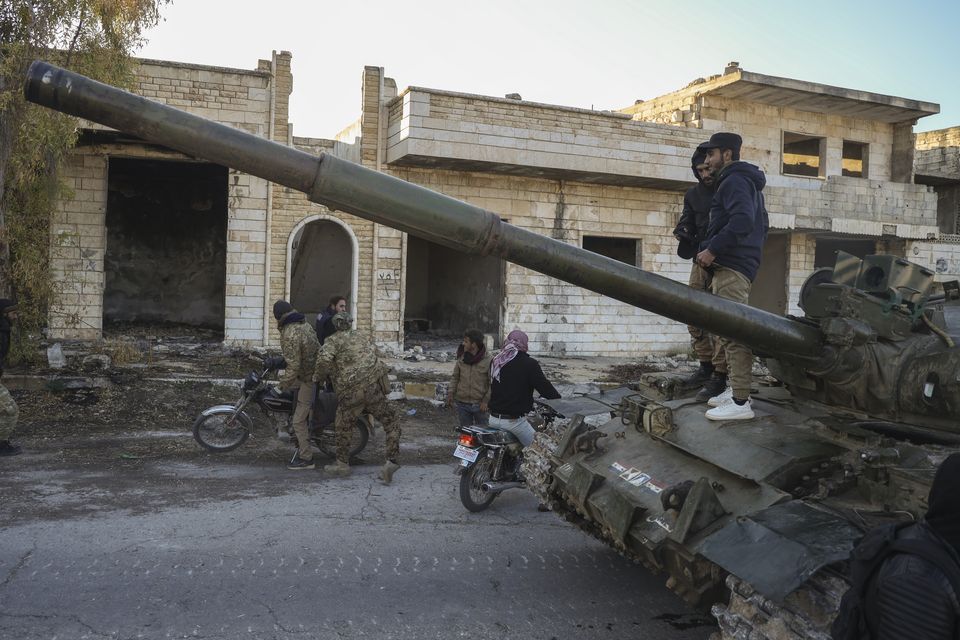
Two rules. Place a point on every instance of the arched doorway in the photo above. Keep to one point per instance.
(323, 257)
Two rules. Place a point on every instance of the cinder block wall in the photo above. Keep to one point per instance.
(78, 233)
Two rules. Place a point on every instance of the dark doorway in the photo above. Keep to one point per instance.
(827, 247)
(165, 261)
(448, 291)
(769, 290)
(321, 267)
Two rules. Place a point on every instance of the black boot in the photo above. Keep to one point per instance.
(700, 376)
(7, 449)
(716, 385)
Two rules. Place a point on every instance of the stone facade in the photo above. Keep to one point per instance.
(571, 174)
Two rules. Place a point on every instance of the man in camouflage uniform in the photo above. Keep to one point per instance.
(8, 408)
(360, 380)
(299, 343)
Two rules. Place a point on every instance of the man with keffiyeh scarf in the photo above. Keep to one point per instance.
(514, 377)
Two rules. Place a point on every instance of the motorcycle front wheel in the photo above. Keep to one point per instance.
(472, 494)
(326, 440)
(220, 430)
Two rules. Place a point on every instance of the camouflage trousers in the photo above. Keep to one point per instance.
(371, 399)
(8, 413)
(703, 343)
(735, 286)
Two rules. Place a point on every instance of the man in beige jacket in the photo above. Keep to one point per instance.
(470, 387)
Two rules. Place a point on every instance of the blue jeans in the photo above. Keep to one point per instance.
(518, 427)
(469, 414)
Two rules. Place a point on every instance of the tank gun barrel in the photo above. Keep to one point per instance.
(339, 184)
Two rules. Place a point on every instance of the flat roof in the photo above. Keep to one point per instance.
(811, 96)
(823, 98)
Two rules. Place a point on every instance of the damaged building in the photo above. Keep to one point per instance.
(152, 236)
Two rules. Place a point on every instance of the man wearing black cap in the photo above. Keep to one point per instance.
(8, 407)
(732, 252)
(299, 343)
(690, 230)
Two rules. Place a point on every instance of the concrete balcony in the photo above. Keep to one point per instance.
(445, 130)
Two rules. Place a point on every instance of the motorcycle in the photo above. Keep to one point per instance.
(490, 459)
(224, 427)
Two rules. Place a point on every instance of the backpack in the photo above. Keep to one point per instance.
(874, 548)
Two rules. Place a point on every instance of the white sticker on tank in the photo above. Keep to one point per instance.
(630, 474)
(660, 522)
(640, 480)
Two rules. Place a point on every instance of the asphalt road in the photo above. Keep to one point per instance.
(214, 549)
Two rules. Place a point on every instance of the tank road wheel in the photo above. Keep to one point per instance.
(326, 440)
(472, 494)
(220, 430)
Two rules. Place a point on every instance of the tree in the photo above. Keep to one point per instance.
(92, 37)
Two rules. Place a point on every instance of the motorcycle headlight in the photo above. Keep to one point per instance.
(251, 381)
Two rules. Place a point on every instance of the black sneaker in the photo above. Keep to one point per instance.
(7, 449)
(716, 385)
(700, 376)
(298, 464)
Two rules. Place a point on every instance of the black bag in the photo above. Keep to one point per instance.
(876, 546)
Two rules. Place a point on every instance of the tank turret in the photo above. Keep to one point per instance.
(869, 341)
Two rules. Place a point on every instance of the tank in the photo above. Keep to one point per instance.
(752, 517)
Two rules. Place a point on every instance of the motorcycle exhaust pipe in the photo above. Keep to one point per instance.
(500, 487)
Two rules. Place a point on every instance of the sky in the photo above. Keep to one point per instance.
(602, 54)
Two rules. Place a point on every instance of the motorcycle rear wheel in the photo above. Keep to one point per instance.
(220, 431)
(326, 440)
(472, 494)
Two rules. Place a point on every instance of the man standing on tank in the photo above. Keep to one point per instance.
(691, 229)
(732, 253)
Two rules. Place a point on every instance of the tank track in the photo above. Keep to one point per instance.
(748, 615)
(537, 469)
(805, 615)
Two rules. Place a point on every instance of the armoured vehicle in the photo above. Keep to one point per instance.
(756, 516)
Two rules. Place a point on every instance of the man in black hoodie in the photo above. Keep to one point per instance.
(691, 229)
(732, 252)
(8, 407)
(911, 597)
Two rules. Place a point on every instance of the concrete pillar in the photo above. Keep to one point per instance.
(901, 155)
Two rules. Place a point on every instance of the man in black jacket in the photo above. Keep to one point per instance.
(514, 376)
(910, 596)
(324, 323)
(732, 252)
(8, 407)
(691, 229)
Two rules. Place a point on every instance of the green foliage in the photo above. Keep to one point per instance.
(92, 37)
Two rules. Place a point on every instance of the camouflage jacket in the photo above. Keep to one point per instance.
(350, 359)
(299, 343)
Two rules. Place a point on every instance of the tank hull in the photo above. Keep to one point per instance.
(767, 509)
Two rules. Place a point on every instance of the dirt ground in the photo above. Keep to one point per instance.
(157, 382)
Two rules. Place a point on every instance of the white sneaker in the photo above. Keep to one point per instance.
(731, 411)
(722, 399)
